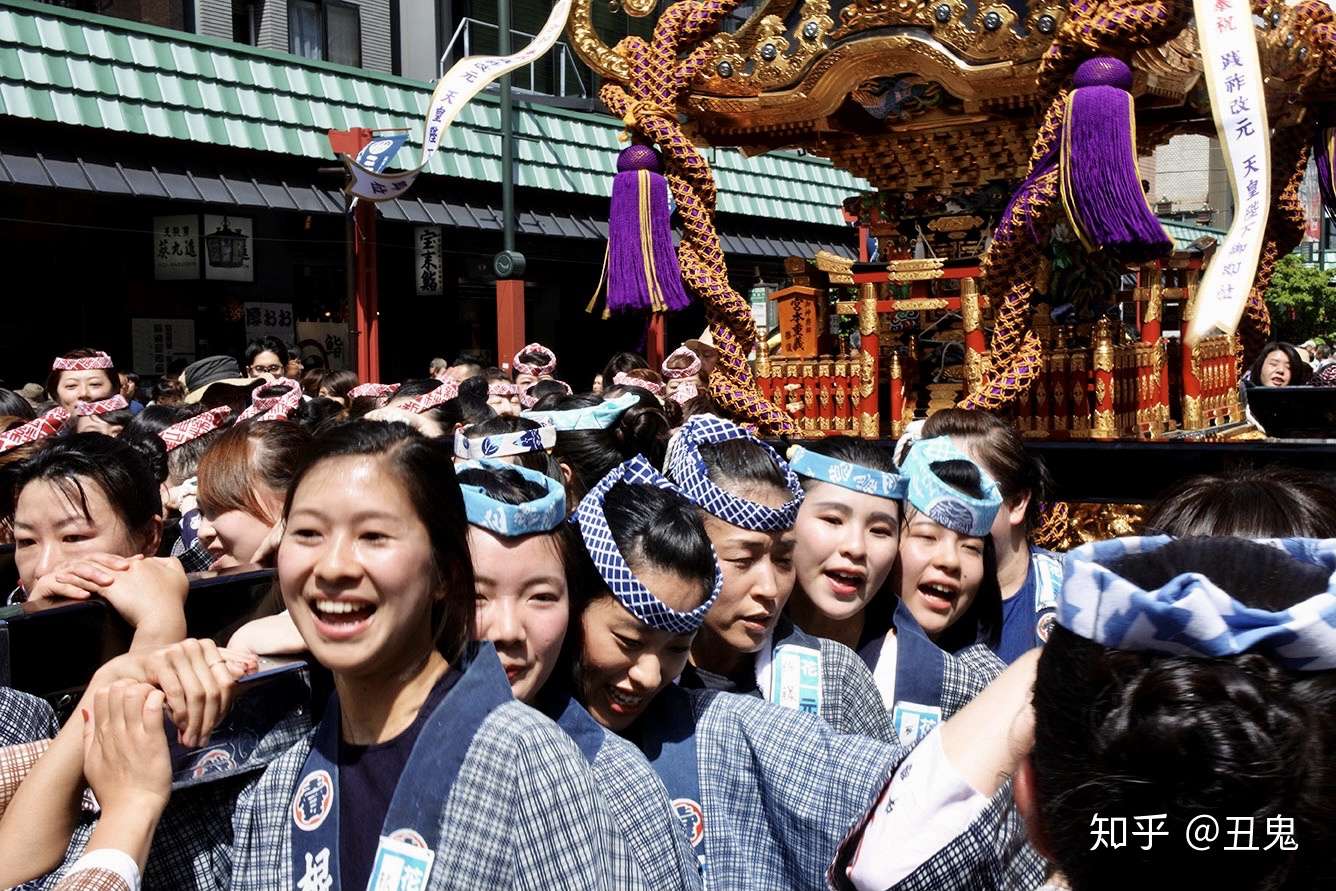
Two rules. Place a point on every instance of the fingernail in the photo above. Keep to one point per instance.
(84, 712)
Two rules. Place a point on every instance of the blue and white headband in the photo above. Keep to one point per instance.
(596, 417)
(638, 600)
(501, 445)
(942, 502)
(513, 520)
(846, 474)
(688, 470)
(1190, 615)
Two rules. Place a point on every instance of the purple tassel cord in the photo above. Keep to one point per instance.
(643, 273)
(1101, 186)
(1323, 152)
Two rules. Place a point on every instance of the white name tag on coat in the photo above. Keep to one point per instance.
(400, 866)
(797, 678)
(913, 721)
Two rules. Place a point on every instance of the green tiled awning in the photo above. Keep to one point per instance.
(93, 71)
(1185, 234)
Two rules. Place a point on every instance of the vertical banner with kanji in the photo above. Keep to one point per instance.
(428, 260)
(269, 320)
(156, 343)
(1234, 80)
(329, 340)
(176, 247)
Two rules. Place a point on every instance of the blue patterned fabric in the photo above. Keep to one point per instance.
(1190, 615)
(944, 503)
(596, 417)
(616, 574)
(688, 470)
(513, 520)
(846, 474)
(501, 445)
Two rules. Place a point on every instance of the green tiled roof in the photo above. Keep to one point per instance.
(93, 71)
(1184, 234)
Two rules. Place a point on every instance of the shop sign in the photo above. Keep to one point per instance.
(156, 343)
(269, 320)
(229, 248)
(176, 247)
(328, 339)
(428, 261)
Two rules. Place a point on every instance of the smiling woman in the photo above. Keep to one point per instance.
(374, 570)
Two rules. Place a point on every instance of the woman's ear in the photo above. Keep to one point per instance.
(1023, 791)
(566, 473)
(152, 537)
(1018, 507)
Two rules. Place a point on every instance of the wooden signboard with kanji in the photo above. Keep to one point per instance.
(800, 321)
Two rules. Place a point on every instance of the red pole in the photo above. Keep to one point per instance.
(655, 340)
(509, 318)
(368, 292)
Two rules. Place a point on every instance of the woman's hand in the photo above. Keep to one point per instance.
(150, 594)
(275, 635)
(197, 678)
(268, 550)
(76, 579)
(125, 748)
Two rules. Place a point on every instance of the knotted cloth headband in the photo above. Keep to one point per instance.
(536, 370)
(638, 600)
(688, 375)
(48, 424)
(846, 474)
(502, 388)
(191, 429)
(688, 470)
(101, 406)
(622, 379)
(942, 502)
(273, 408)
(528, 400)
(380, 391)
(500, 445)
(83, 363)
(1190, 615)
(513, 520)
(595, 417)
(448, 390)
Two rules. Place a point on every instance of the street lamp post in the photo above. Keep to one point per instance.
(509, 264)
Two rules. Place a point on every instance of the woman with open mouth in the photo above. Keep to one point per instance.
(421, 762)
(749, 499)
(530, 569)
(936, 656)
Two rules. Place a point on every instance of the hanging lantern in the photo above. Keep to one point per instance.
(226, 247)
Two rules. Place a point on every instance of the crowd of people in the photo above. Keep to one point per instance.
(544, 635)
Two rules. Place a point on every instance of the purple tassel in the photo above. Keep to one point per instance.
(641, 276)
(1043, 166)
(1101, 186)
(1323, 152)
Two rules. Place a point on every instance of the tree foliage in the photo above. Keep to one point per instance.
(1302, 300)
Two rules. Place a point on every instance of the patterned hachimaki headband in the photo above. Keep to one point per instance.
(688, 389)
(83, 363)
(547, 367)
(638, 600)
(688, 470)
(942, 502)
(273, 408)
(101, 406)
(1190, 615)
(513, 520)
(380, 391)
(500, 445)
(597, 417)
(427, 401)
(622, 379)
(48, 424)
(846, 474)
(191, 429)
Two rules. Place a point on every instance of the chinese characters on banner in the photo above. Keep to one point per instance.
(1234, 79)
(327, 339)
(465, 79)
(428, 259)
(157, 342)
(176, 247)
(229, 248)
(269, 320)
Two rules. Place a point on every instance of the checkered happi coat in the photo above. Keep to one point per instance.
(24, 718)
(524, 813)
(964, 675)
(850, 701)
(781, 789)
(641, 809)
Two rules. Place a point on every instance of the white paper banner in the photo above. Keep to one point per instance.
(1234, 78)
(269, 320)
(465, 79)
(328, 340)
(158, 342)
